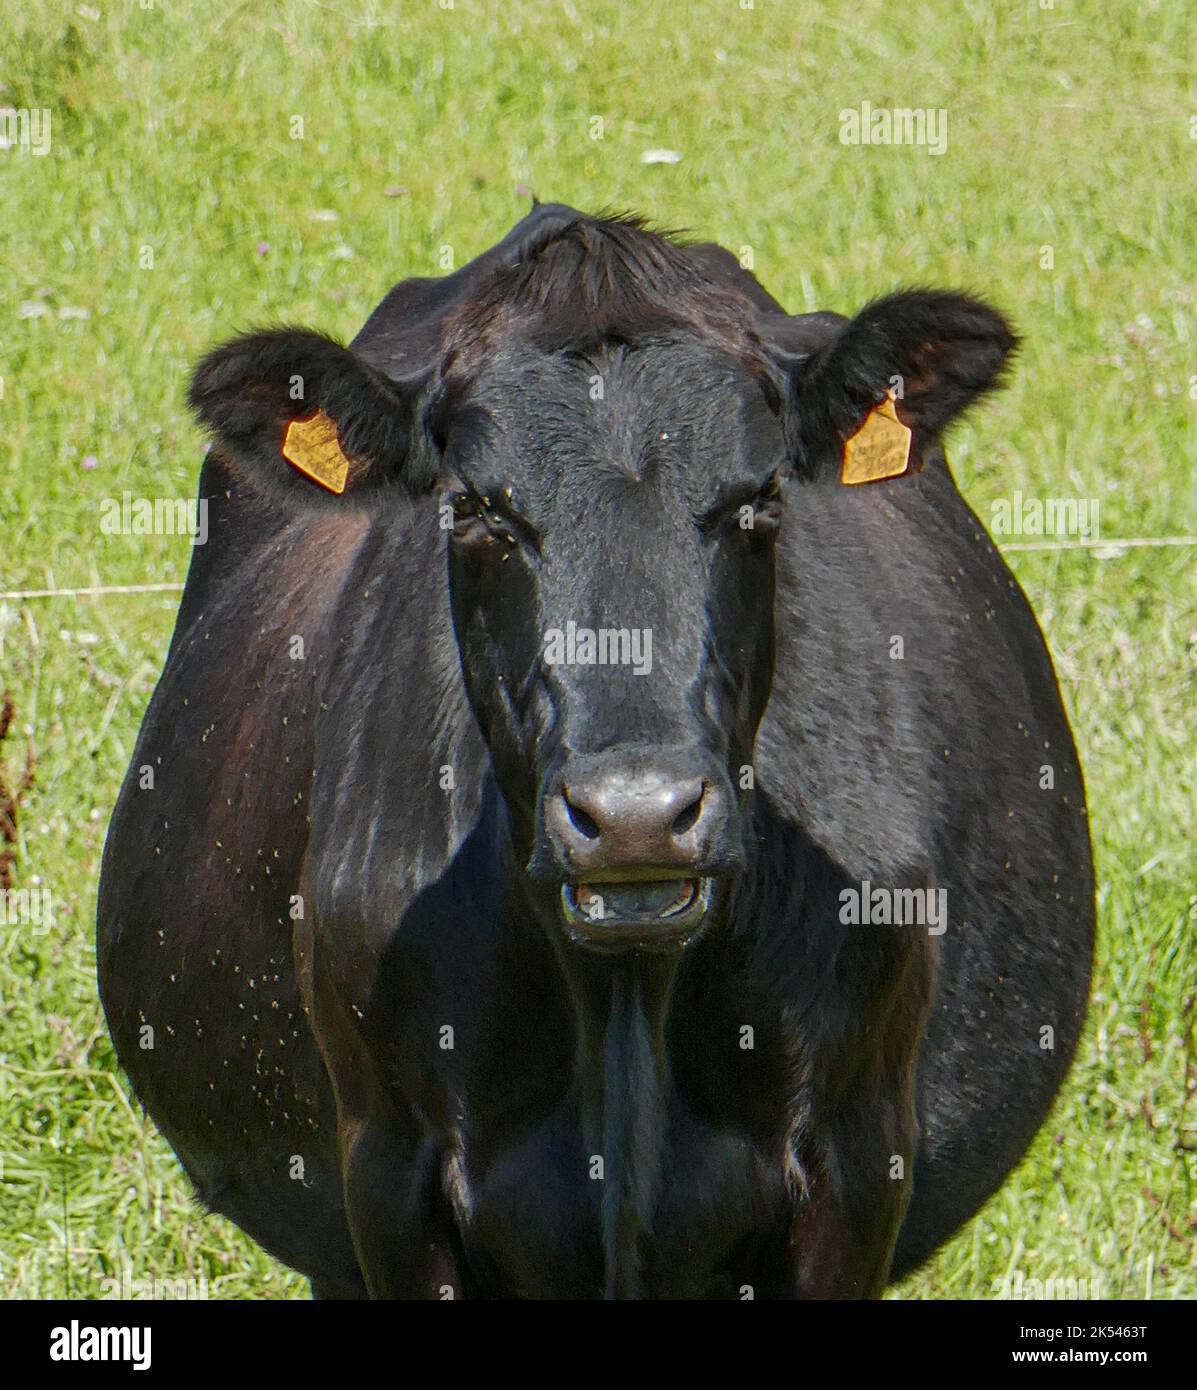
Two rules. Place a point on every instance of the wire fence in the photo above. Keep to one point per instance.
(1112, 548)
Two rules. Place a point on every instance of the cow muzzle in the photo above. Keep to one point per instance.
(639, 844)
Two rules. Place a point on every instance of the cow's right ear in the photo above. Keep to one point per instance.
(304, 418)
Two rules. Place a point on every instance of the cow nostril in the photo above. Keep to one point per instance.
(687, 818)
(581, 820)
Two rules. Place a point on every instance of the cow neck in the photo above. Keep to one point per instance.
(622, 1075)
(621, 1005)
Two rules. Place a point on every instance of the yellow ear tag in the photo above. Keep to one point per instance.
(879, 449)
(311, 445)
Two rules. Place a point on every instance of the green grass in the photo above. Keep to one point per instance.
(1069, 128)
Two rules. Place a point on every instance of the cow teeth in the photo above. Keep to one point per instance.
(683, 900)
(647, 899)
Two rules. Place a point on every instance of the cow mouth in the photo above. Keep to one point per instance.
(646, 912)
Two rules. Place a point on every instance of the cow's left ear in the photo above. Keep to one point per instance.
(869, 404)
(304, 418)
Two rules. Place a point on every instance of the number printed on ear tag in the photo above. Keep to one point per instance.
(879, 449)
(311, 445)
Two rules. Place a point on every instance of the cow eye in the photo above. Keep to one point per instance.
(477, 519)
(467, 513)
(747, 509)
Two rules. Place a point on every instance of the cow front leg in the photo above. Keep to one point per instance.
(398, 1217)
(399, 1220)
(852, 1192)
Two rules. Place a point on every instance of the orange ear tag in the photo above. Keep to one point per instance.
(879, 449)
(311, 445)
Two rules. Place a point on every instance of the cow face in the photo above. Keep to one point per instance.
(610, 499)
(613, 520)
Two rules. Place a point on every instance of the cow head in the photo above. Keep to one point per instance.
(608, 431)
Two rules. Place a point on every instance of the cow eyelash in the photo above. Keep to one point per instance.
(766, 500)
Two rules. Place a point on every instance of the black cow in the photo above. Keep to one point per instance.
(582, 843)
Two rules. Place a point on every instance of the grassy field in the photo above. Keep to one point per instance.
(176, 204)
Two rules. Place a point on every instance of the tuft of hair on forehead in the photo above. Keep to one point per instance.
(599, 280)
